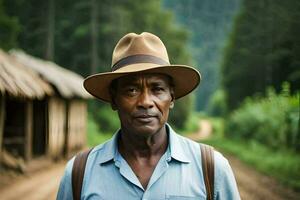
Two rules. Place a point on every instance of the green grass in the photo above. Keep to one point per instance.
(280, 164)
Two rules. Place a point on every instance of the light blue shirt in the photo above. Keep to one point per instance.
(178, 175)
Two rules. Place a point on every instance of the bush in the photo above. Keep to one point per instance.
(105, 118)
(108, 119)
(217, 127)
(280, 164)
(272, 120)
(94, 135)
(217, 104)
(191, 124)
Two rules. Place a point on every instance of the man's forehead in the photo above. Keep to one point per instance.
(152, 77)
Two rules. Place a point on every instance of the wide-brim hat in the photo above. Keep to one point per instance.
(144, 53)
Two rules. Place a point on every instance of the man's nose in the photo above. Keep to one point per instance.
(145, 100)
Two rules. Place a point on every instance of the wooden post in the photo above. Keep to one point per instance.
(47, 127)
(66, 148)
(28, 130)
(2, 119)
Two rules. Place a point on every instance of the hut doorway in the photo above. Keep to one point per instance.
(39, 138)
(14, 127)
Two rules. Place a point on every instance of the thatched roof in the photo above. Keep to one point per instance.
(67, 83)
(18, 81)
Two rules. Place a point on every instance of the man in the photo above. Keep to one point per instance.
(146, 159)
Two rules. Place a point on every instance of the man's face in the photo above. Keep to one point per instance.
(143, 102)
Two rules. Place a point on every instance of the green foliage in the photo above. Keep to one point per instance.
(10, 28)
(263, 49)
(272, 120)
(181, 112)
(32, 17)
(217, 104)
(106, 119)
(217, 127)
(94, 135)
(192, 124)
(281, 164)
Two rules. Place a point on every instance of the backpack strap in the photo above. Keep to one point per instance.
(207, 158)
(208, 169)
(78, 172)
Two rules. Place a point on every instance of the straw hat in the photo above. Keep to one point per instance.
(144, 53)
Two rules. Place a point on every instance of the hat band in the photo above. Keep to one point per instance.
(141, 58)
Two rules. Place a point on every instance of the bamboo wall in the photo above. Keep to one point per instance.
(77, 114)
(56, 127)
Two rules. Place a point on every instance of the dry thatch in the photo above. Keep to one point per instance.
(68, 84)
(18, 81)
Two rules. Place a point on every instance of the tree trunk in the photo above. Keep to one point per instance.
(49, 55)
(94, 36)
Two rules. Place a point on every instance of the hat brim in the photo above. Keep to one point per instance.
(185, 78)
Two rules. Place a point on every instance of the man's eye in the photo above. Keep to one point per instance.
(158, 89)
(132, 90)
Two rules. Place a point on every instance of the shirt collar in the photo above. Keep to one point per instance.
(176, 146)
(176, 151)
(109, 150)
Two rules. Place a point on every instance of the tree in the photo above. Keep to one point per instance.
(32, 17)
(10, 28)
(49, 54)
(263, 49)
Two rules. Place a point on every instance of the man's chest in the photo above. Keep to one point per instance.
(174, 181)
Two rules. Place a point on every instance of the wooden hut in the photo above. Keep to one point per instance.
(19, 88)
(67, 110)
(42, 108)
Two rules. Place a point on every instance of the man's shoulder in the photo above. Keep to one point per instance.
(100, 147)
(182, 139)
(221, 162)
(188, 142)
(94, 151)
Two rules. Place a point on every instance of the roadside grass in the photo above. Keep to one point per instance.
(284, 165)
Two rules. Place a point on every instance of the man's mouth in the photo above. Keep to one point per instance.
(144, 118)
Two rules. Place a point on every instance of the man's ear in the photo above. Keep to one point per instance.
(172, 104)
(113, 104)
(173, 99)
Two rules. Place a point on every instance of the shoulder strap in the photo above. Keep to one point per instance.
(208, 168)
(78, 172)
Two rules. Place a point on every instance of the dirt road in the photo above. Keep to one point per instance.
(256, 186)
(205, 130)
(41, 185)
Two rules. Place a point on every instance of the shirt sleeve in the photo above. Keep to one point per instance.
(225, 183)
(65, 187)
